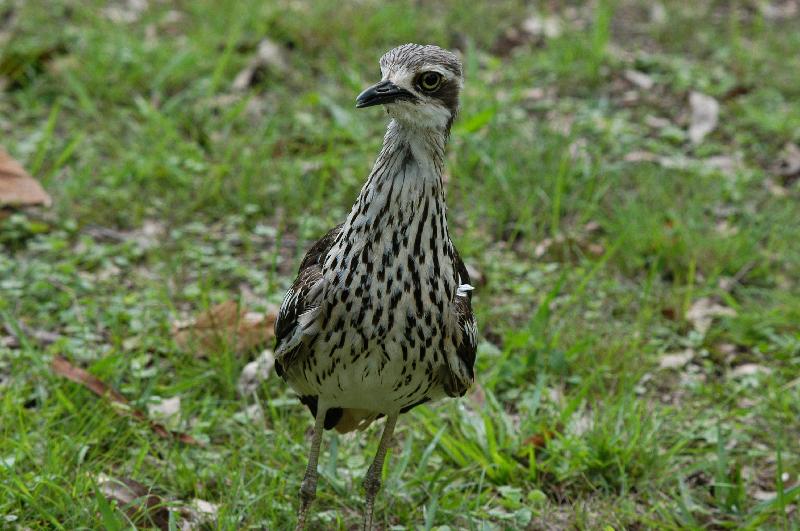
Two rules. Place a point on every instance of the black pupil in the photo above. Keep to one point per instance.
(430, 80)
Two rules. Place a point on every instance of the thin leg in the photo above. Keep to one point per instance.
(308, 488)
(372, 482)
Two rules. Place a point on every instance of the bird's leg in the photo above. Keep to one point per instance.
(308, 488)
(372, 482)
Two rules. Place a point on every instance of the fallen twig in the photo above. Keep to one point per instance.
(64, 368)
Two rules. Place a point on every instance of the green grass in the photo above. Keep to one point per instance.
(573, 424)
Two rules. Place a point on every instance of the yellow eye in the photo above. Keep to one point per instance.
(430, 81)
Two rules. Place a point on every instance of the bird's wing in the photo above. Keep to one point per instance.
(301, 301)
(468, 327)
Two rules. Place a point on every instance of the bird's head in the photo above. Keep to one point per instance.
(419, 86)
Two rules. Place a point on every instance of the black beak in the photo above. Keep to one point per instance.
(383, 92)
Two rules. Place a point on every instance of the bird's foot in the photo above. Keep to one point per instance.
(308, 491)
(372, 484)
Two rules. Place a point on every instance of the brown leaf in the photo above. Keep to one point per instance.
(64, 368)
(225, 324)
(669, 312)
(539, 440)
(136, 500)
(17, 188)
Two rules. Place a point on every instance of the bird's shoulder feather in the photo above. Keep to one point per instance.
(468, 344)
(301, 298)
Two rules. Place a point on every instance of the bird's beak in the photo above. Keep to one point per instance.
(383, 92)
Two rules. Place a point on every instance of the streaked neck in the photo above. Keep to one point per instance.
(408, 169)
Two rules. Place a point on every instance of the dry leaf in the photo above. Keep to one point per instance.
(542, 247)
(705, 115)
(167, 410)
(581, 423)
(703, 311)
(539, 440)
(269, 55)
(534, 94)
(749, 369)
(774, 188)
(136, 500)
(725, 229)
(537, 26)
(658, 13)
(764, 495)
(146, 237)
(225, 324)
(779, 10)
(64, 368)
(125, 12)
(256, 372)
(640, 79)
(533, 30)
(198, 514)
(17, 188)
(641, 156)
(657, 122)
(564, 247)
(676, 360)
(724, 163)
(43, 337)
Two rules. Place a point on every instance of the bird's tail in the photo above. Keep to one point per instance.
(355, 419)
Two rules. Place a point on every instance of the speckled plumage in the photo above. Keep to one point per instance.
(379, 318)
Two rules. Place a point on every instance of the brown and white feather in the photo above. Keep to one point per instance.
(379, 318)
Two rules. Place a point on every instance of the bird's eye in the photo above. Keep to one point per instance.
(430, 81)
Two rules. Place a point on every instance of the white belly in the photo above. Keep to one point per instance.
(373, 382)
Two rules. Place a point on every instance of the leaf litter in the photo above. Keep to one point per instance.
(17, 187)
(269, 56)
(136, 500)
(255, 372)
(534, 30)
(224, 325)
(703, 311)
(145, 508)
(166, 410)
(676, 360)
(64, 368)
(704, 117)
(788, 167)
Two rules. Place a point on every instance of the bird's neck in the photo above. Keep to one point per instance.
(408, 172)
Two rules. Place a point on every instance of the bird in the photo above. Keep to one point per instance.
(379, 319)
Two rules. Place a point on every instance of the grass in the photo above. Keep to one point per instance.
(592, 261)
